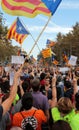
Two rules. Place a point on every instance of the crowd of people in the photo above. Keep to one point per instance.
(42, 96)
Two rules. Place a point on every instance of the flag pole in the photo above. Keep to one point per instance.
(35, 41)
(39, 35)
(21, 47)
(26, 59)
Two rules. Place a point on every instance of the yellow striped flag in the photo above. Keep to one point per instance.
(12, 33)
(46, 53)
(54, 61)
(50, 43)
(30, 8)
(65, 58)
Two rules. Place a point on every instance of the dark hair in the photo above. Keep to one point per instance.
(78, 82)
(61, 125)
(35, 84)
(77, 100)
(5, 87)
(42, 76)
(27, 101)
(67, 84)
(25, 85)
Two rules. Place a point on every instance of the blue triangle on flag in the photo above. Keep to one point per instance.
(53, 58)
(20, 28)
(52, 5)
(48, 42)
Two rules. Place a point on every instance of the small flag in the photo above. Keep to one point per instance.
(46, 53)
(65, 58)
(13, 34)
(54, 61)
(50, 43)
(30, 8)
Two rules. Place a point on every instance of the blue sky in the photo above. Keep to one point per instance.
(66, 16)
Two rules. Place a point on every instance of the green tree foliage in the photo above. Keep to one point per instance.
(68, 43)
(6, 48)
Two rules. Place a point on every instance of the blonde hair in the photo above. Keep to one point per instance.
(65, 105)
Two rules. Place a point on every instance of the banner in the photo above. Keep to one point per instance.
(72, 60)
(17, 60)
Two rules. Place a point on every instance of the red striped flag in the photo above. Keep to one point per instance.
(30, 8)
(12, 34)
(50, 43)
(46, 53)
(65, 58)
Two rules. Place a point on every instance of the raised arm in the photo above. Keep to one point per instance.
(54, 92)
(7, 103)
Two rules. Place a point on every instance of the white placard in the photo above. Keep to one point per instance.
(17, 60)
(7, 69)
(73, 60)
(63, 69)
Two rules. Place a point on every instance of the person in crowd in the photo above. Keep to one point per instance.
(16, 128)
(23, 87)
(40, 100)
(77, 101)
(47, 89)
(6, 120)
(60, 86)
(5, 105)
(61, 125)
(64, 108)
(42, 81)
(68, 90)
(27, 111)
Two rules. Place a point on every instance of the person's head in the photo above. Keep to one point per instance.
(15, 128)
(65, 105)
(42, 76)
(25, 86)
(27, 101)
(5, 86)
(35, 84)
(61, 125)
(68, 90)
(47, 80)
(67, 84)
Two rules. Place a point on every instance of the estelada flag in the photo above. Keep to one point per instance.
(54, 61)
(30, 8)
(17, 31)
(46, 53)
(65, 58)
(50, 43)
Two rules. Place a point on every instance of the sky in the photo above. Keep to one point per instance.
(65, 17)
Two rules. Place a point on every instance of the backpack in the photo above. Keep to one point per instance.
(29, 123)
